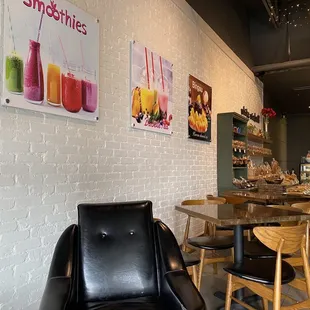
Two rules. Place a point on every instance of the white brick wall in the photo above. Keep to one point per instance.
(49, 164)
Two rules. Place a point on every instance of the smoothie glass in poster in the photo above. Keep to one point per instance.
(33, 78)
(53, 85)
(89, 91)
(14, 73)
(151, 90)
(14, 65)
(51, 58)
(199, 110)
(71, 89)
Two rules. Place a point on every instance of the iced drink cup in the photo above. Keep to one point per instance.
(33, 79)
(71, 93)
(14, 74)
(163, 102)
(147, 100)
(90, 95)
(53, 85)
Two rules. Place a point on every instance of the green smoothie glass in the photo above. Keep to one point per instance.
(14, 74)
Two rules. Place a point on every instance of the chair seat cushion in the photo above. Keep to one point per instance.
(255, 250)
(190, 259)
(144, 303)
(261, 271)
(212, 243)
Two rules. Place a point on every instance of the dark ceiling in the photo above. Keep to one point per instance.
(247, 28)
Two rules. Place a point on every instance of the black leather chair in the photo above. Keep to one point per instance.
(116, 258)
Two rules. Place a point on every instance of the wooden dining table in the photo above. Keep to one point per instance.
(265, 197)
(239, 215)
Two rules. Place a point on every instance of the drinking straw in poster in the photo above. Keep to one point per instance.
(199, 110)
(151, 90)
(51, 58)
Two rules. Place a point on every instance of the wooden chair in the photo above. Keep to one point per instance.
(304, 206)
(209, 242)
(300, 283)
(216, 199)
(235, 200)
(228, 231)
(208, 228)
(257, 274)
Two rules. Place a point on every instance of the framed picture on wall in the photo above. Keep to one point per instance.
(199, 110)
(151, 90)
(49, 65)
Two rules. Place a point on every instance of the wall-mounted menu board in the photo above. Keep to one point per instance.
(51, 58)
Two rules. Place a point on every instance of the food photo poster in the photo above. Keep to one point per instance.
(151, 83)
(199, 110)
(51, 58)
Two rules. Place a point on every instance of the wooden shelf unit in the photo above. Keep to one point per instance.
(226, 171)
(254, 138)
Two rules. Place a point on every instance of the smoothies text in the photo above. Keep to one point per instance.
(62, 15)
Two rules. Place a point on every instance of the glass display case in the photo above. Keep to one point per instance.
(304, 173)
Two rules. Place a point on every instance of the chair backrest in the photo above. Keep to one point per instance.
(199, 202)
(211, 198)
(304, 206)
(236, 200)
(193, 202)
(216, 200)
(116, 251)
(289, 238)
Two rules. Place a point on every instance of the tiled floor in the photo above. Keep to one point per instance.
(212, 283)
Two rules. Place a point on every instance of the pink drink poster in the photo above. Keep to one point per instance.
(151, 90)
(51, 58)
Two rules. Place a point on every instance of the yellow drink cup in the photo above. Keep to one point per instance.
(53, 85)
(147, 100)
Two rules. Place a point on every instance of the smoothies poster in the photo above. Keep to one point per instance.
(151, 90)
(51, 58)
(199, 110)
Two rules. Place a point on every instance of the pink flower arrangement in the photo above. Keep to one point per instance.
(268, 112)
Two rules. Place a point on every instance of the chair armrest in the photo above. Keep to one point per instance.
(177, 291)
(61, 286)
(181, 292)
(169, 253)
(56, 294)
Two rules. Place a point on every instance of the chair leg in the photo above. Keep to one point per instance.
(249, 234)
(186, 233)
(228, 292)
(201, 265)
(265, 303)
(215, 271)
(195, 275)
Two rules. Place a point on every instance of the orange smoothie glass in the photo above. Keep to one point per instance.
(53, 85)
(147, 100)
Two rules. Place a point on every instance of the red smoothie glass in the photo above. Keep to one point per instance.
(33, 75)
(71, 92)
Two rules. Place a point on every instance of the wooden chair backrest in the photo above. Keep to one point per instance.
(216, 199)
(192, 202)
(272, 237)
(304, 206)
(200, 202)
(236, 200)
